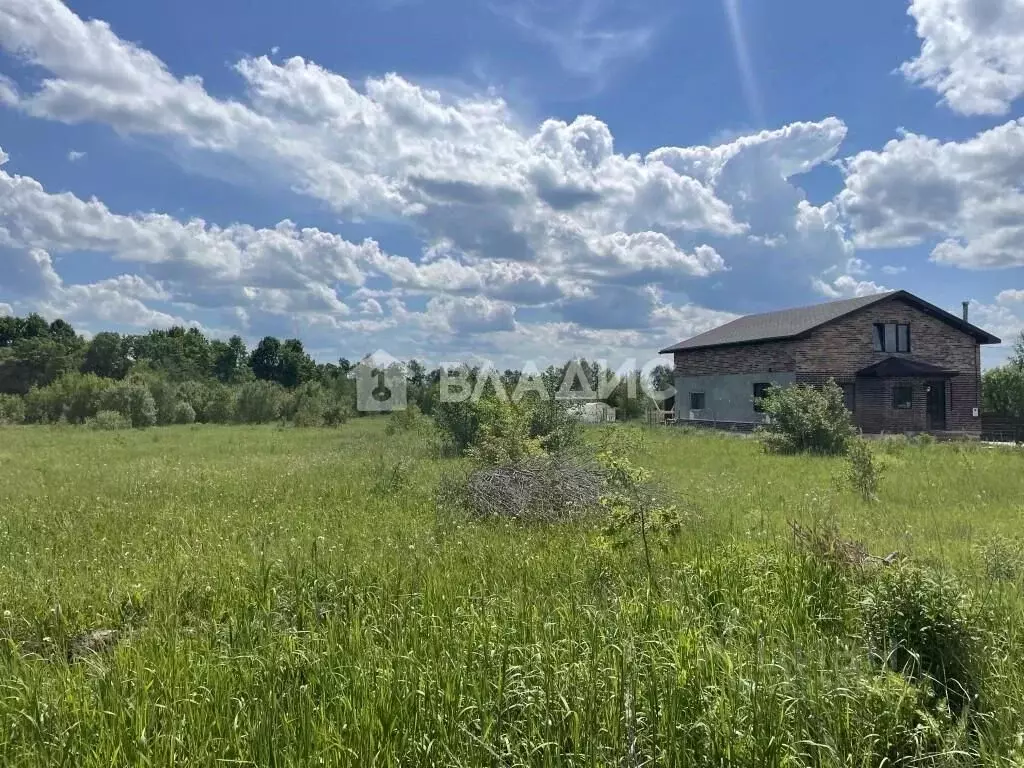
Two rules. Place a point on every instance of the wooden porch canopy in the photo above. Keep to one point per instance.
(904, 368)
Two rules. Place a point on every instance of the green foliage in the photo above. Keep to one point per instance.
(458, 424)
(259, 402)
(12, 409)
(163, 390)
(108, 421)
(904, 724)
(1002, 391)
(307, 405)
(133, 401)
(923, 623)
(504, 433)
(553, 424)
(863, 471)
(184, 413)
(107, 355)
(73, 397)
(218, 406)
(803, 419)
(1002, 558)
(408, 419)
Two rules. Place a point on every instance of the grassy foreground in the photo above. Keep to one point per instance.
(291, 597)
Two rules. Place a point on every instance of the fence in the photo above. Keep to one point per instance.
(1002, 428)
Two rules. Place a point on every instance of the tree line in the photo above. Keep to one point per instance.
(51, 373)
(1002, 388)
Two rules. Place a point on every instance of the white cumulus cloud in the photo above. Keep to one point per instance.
(972, 53)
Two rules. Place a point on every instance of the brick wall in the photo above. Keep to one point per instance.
(840, 349)
(843, 347)
(771, 356)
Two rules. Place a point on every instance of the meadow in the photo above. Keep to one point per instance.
(295, 597)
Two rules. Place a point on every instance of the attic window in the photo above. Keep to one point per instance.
(891, 337)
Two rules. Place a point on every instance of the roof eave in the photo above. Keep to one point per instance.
(721, 345)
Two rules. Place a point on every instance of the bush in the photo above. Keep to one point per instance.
(336, 414)
(504, 434)
(803, 419)
(259, 402)
(458, 425)
(219, 407)
(409, 419)
(108, 420)
(73, 396)
(553, 423)
(12, 409)
(133, 401)
(184, 413)
(307, 405)
(548, 424)
(922, 623)
(863, 471)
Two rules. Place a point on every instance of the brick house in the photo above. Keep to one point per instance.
(904, 365)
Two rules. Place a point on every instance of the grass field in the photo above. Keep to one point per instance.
(291, 597)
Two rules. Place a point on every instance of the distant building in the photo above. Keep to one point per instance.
(594, 413)
(905, 365)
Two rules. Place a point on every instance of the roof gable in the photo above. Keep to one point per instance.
(795, 323)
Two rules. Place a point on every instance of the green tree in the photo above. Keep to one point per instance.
(229, 360)
(265, 360)
(1002, 391)
(107, 355)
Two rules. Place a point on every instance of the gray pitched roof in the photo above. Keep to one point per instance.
(790, 323)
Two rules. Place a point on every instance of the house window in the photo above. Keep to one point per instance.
(850, 397)
(902, 397)
(760, 390)
(696, 401)
(891, 337)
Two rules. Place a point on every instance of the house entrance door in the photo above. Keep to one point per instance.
(936, 405)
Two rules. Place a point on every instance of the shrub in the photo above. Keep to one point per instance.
(133, 401)
(184, 413)
(409, 419)
(553, 423)
(12, 409)
(803, 419)
(259, 402)
(73, 396)
(923, 623)
(458, 424)
(863, 471)
(503, 436)
(219, 407)
(307, 405)
(336, 414)
(108, 420)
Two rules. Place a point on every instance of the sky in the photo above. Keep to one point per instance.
(506, 180)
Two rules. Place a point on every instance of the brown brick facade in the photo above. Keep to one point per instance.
(841, 348)
(749, 358)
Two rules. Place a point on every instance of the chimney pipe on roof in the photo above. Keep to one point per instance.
(966, 305)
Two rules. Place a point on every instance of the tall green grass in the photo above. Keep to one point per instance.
(281, 606)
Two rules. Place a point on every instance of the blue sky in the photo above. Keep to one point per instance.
(506, 180)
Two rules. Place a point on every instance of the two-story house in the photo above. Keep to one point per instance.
(904, 365)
